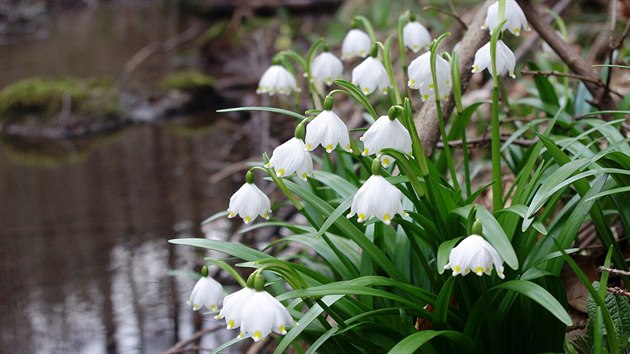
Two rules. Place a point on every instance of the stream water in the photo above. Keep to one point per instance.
(84, 257)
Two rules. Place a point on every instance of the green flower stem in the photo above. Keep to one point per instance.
(306, 65)
(457, 96)
(402, 20)
(497, 185)
(386, 51)
(501, 12)
(368, 27)
(416, 146)
(311, 85)
(438, 106)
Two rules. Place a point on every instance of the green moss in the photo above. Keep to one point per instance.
(189, 81)
(45, 97)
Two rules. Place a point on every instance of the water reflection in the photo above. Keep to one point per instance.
(83, 252)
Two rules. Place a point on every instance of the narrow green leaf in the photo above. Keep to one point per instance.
(413, 342)
(266, 109)
(539, 295)
(497, 237)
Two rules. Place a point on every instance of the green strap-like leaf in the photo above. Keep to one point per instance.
(413, 342)
(539, 295)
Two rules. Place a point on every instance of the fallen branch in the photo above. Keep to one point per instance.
(602, 98)
(426, 120)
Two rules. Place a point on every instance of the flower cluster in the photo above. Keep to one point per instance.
(505, 61)
(383, 196)
(252, 308)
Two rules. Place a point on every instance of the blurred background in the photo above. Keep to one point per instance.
(110, 146)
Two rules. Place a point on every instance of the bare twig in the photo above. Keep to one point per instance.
(557, 73)
(569, 75)
(448, 13)
(483, 141)
(619, 291)
(614, 271)
(158, 47)
(574, 61)
(177, 348)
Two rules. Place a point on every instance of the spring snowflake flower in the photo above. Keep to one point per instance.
(415, 36)
(474, 254)
(277, 79)
(356, 44)
(207, 293)
(326, 67)
(290, 157)
(506, 61)
(233, 306)
(249, 202)
(377, 197)
(514, 16)
(255, 311)
(420, 76)
(371, 75)
(386, 133)
(327, 130)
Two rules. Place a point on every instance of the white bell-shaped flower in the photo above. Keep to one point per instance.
(290, 157)
(420, 76)
(514, 16)
(386, 133)
(327, 130)
(232, 309)
(371, 75)
(326, 67)
(474, 254)
(377, 197)
(207, 293)
(261, 315)
(505, 61)
(415, 36)
(249, 202)
(277, 79)
(356, 44)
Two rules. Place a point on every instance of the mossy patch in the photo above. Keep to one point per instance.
(46, 98)
(189, 81)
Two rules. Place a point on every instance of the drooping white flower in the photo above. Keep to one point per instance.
(370, 75)
(277, 79)
(249, 202)
(420, 76)
(263, 314)
(415, 36)
(326, 67)
(474, 254)
(290, 157)
(256, 312)
(386, 133)
(327, 130)
(232, 309)
(514, 16)
(505, 61)
(207, 293)
(356, 44)
(379, 198)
